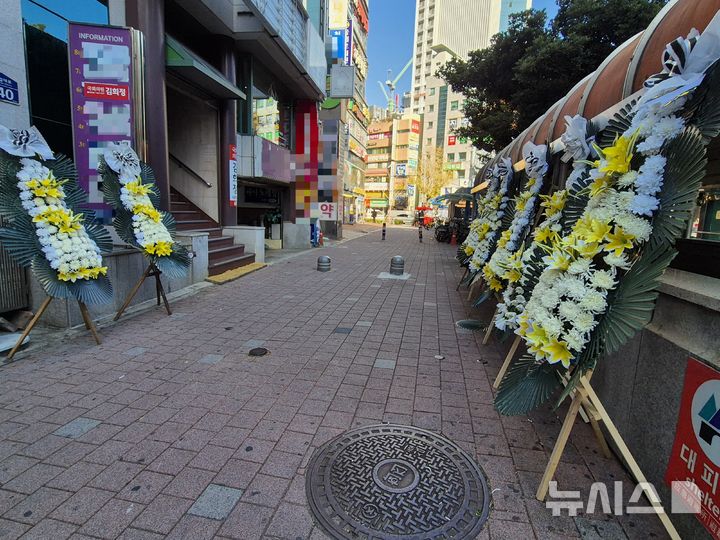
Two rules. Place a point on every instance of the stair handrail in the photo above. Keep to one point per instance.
(185, 167)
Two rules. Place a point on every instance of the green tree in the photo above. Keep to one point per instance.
(532, 64)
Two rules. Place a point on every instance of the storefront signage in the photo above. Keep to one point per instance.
(401, 170)
(232, 175)
(693, 470)
(348, 43)
(101, 98)
(337, 43)
(9, 90)
(452, 139)
(356, 148)
(338, 14)
(377, 158)
(328, 211)
(376, 186)
(415, 126)
(411, 190)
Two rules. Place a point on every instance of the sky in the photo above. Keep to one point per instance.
(390, 43)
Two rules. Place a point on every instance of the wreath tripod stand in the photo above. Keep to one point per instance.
(150, 271)
(87, 319)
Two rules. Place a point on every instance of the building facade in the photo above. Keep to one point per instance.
(445, 29)
(348, 116)
(221, 99)
(393, 154)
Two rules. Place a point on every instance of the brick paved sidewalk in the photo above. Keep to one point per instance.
(169, 420)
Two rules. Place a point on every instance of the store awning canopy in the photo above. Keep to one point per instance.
(183, 62)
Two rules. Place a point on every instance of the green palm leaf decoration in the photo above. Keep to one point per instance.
(616, 126)
(472, 324)
(631, 304)
(526, 385)
(47, 277)
(704, 107)
(174, 264)
(98, 291)
(20, 238)
(686, 162)
(21, 241)
(577, 199)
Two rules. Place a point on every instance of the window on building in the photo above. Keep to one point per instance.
(451, 157)
(454, 105)
(431, 108)
(431, 124)
(428, 141)
(462, 156)
(461, 173)
(46, 34)
(432, 91)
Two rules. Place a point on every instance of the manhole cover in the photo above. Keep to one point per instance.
(396, 482)
(258, 351)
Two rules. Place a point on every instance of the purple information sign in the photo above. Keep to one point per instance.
(102, 100)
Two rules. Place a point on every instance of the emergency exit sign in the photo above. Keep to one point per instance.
(9, 90)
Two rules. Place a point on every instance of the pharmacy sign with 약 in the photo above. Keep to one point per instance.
(693, 470)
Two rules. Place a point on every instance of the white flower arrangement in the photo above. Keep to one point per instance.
(583, 266)
(150, 232)
(483, 230)
(515, 295)
(505, 264)
(61, 233)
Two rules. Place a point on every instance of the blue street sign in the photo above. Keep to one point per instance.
(9, 90)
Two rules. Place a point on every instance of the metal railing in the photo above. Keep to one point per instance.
(177, 161)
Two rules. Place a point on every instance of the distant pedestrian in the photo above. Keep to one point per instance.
(373, 213)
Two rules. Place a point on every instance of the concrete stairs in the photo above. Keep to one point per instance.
(223, 253)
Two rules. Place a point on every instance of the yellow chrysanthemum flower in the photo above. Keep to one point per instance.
(148, 210)
(537, 335)
(619, 241)
(543, 235)
(596, 231)
(617, 157)
(600, 185)
(469, 250)
(557, 351)
(136, 187)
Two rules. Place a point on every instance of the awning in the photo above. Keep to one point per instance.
(192, 68)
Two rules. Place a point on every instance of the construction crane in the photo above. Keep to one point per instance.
(391, 86)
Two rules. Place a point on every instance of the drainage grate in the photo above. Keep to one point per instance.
(386, 480)
(258, 351)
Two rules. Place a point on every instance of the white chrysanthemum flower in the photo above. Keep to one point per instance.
(602, 279)
(593, 301)
(668, 127)
(628, 179)
(580, 266)
(639, 227)
(584, 322)
(644, 205)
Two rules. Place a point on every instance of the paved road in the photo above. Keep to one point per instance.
(123, 440)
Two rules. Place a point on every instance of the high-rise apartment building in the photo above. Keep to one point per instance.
(445, 29)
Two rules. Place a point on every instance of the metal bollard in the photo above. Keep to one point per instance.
(397, 265)
(383, 231)
(323, 263)
(420, 233)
